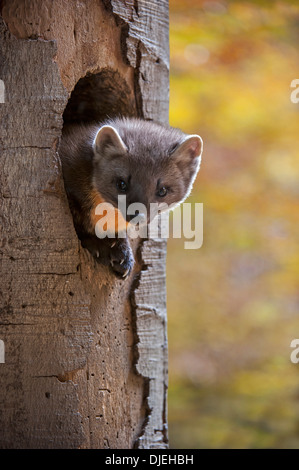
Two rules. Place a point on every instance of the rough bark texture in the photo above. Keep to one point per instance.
(85, 353)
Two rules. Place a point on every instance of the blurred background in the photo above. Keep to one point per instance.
(233, 304)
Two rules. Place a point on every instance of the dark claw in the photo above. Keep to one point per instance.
(121, 258)
(116, 252)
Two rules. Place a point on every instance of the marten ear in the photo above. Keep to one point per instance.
(189, 151)
(108, 142)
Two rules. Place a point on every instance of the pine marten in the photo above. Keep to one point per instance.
(145, 161)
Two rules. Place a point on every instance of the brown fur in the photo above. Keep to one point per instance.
(145, 155)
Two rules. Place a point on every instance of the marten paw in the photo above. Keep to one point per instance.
(121, 257)
(116, 253)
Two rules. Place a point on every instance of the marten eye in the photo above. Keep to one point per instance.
(162, 191)
(121, 185)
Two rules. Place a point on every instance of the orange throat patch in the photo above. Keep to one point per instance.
(104, 217)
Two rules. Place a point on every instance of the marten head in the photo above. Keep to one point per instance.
(145, 162)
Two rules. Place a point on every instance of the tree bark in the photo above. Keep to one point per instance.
(85, 353)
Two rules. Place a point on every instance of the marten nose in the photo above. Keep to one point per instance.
(138, 217)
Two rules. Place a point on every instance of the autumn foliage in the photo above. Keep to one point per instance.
(233, 305)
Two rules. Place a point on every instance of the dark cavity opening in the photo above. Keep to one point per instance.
(99, 96)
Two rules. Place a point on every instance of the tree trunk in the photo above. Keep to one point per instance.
(85, 353)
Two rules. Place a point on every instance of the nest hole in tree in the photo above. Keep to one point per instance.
(99, 96)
